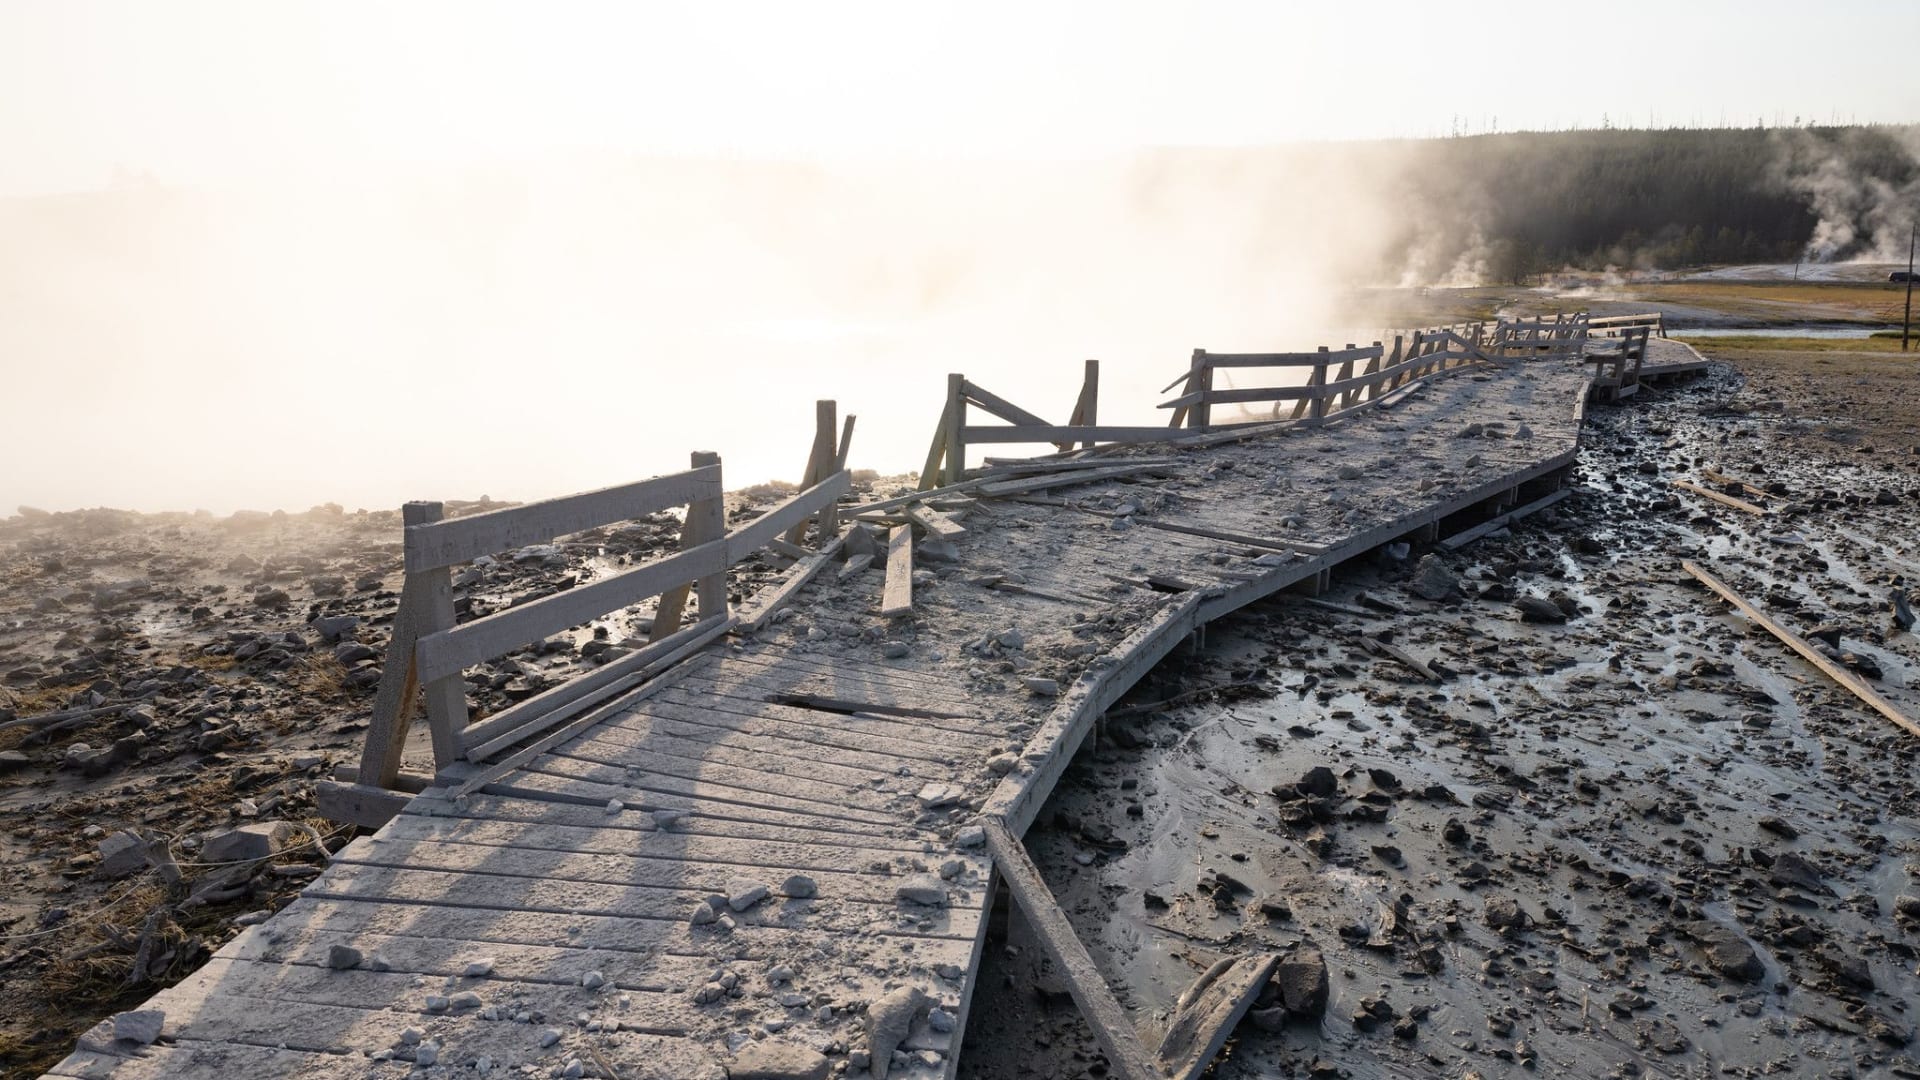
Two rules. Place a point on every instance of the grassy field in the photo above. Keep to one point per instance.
(1781, 302)
(1879, 344)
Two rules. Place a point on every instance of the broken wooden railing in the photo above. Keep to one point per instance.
(946, 458)
(1332, 383)
(1563, 337)
(429, 650)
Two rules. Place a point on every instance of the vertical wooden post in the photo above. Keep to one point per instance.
(1090, 399)
(1346, 372)
(706, 521)
(936, 453)
(399, 680)
(846, 443)
(1317, 405)
(955, 423)
(820, 458)
(447, 695)
(826, 425)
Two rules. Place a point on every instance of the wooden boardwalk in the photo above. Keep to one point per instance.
(826, 776)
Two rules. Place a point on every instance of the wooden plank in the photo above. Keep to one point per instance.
(497, 732)
(634, 820)
(1207, 1012)
(609, 933)
(358, 804)
(1467, 536)
(550, 707)
(1000, 407)
(934, 523)
(1301, 359)
(385, 884)
(738, 740)
(933, 473)
(794, 849)
(754, 612)
(897, 599)
(1004, 488)
(1048, 433)
(1112, 1028)
(1724, 500)
(767, 863)
(691, 706)
(207, 1061)
(1847, 679)
(1394, 652)
(674, 793)
(755, 534)
(660, 768)
(444, 543)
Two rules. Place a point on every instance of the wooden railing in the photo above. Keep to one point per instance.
(1615, 325)
(429, 650)
(1337, 380)
(1332, 384)
(1618, 367)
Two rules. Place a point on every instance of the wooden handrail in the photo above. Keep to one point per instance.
(445, 543)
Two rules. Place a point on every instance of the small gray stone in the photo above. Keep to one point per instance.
(924, 889)
(703, 914)
(936, 795)
(121, 853)
(1002, 764)
(894, 650)
(465, 999)
(140, 1025)
(549, 1036)
(970, 837)
(743, 893)
(1041, 687)
(343, 957)
(426, 1054)
(251, 841)
(593, 980)
(940, 1020)
(800, 887)
(479, 969)
(667, 819)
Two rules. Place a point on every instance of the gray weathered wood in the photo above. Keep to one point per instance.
(444, 543)
(1111, 1027)
(393, 701)
(897, 599)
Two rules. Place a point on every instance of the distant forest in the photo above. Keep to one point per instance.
(1664, 199)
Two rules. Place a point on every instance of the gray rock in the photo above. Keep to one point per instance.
(1002, 764)
(1041, 687)
(800, 887)
(936, 795)
(1319, 781)
(1301, 979)
(121, 853)
(332, 628)
(343, 957)
(1433, 581)
(924, 889)
(1534, 609)
(889, 1020)
(743, 893)
(970, 837)
(774, 1059)
(1729, 954)
(703, 914)
(1504, 913)
(253, 840)
(140, 1025)
(11, 760)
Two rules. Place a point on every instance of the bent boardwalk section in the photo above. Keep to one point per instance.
(558, 917)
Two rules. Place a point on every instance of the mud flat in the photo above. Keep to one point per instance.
(1619, 833)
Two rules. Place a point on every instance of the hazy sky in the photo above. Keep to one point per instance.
(195, 92)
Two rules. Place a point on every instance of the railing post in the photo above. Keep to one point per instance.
(1317, 405)
(1090, 399)
(394, 700)
(447, 695)
(826, 424)
(955, 423)
(1201, 380)
(1346, 372)
(706, 521)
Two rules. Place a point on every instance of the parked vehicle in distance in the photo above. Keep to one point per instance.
(1899, 277)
